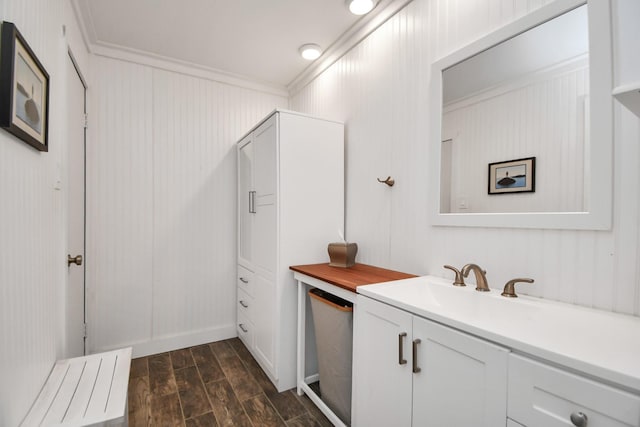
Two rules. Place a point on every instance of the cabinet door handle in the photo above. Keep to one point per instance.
(243, 280)
(242, 303)
(241, 326)
(416, 369)
(252, 202)
(401, 359)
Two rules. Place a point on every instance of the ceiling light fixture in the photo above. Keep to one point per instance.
(360, 7)
(310, 51)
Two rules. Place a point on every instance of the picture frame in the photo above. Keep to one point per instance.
(24, 90)
(512, 176)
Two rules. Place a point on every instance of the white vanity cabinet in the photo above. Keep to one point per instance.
(411, 371)
(486, 360)
(290, 206)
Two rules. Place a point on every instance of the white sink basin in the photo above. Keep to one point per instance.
(603, 344)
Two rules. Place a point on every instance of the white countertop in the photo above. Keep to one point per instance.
(601, 344)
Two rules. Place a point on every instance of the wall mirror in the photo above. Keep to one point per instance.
(533, 99)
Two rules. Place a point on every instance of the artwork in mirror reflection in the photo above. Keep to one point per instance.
(513, 176)
(525, 97)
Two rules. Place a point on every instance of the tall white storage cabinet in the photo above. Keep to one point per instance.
(290, 206)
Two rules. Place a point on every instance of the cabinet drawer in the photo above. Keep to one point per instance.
(245, 330)
(245, 304)
(244, 279)
(541, 395)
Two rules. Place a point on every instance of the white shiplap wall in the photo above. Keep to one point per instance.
(160, 200)
(33, 226)
(379, 89)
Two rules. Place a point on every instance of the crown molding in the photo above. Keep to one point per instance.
(184, 67)
(113, 51)
(349, 39)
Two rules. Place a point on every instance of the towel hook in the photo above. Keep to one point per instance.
(389, 181)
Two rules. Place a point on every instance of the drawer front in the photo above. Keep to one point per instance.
(245, 304)
(541, 395)
(245, 330)
(244, 279)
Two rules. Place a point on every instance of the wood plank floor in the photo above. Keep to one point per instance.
(217, 384)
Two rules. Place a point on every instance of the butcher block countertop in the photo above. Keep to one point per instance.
(351, 277)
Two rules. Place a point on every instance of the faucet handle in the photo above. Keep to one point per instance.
(510, 288)
(459, 280)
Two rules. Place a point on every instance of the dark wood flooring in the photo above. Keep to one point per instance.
(217, 384)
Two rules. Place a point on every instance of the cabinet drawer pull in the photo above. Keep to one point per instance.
(244, 304)
(252, 202)
(241, 326)
(401, 359)
(416, 369)
(243, 280)
(579, 419)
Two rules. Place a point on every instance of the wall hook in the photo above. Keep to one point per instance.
(389, 181)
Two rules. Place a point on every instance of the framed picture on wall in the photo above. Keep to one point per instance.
(513, 176)
(24, 90)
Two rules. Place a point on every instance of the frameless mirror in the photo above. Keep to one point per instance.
(525, 114)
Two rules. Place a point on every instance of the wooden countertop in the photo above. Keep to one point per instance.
(352, 277)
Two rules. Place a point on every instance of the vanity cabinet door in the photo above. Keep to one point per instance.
(542, 395)
(462, 380)
(381, 384)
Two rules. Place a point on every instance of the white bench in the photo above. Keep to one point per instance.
(84, 391)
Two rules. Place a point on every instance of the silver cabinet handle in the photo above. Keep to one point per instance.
(401, 359)
(416, 369)
(242, 303)
(243, 280)
(252, 202)
(241, 326)
(579, 419)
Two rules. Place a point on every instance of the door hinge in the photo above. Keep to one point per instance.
(85, 330)
(86, 120)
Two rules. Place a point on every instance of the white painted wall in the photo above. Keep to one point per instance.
(379, 89)
(159, 187)
(161, 205)
(33, 223)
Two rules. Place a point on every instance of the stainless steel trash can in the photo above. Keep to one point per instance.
(333, 322)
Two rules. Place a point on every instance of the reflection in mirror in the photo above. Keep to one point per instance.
(525, 97)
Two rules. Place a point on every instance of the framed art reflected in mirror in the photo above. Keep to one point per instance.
(513, 176)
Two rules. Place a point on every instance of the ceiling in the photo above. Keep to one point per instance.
(252, 39)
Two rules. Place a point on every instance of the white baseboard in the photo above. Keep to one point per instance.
(175, 342)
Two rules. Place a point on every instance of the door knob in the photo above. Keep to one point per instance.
(74, 260)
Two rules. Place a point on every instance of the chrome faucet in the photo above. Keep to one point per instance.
(481, 279)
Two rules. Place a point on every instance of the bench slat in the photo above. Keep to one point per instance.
(47, 395)
(55, 414)
(84, 391)
(78, 406)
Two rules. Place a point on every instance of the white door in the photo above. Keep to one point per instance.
(265, 182)
(75, 315)
(462, 380)
(381, 365)
(246, 199)
(264, 242)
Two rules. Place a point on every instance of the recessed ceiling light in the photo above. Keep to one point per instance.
(360, 7)
(310, 51)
